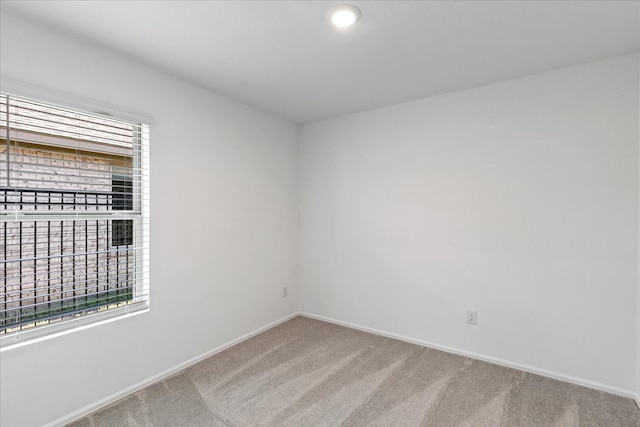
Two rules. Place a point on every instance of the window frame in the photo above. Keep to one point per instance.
(140, 196)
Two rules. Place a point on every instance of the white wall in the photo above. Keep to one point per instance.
(215, 275)
(518, 199)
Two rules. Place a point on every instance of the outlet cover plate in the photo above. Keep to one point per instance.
(472, 317)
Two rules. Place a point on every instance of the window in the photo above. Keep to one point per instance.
(74, 216)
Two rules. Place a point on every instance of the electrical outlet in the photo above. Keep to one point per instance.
(472, 317)
(285, 291)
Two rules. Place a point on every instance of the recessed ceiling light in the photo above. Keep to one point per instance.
(345, 15)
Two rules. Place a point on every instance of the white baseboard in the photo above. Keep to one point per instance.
(76, 415)
(158, 377)
(490, 359)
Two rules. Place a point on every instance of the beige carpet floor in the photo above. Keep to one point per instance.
(310, 373)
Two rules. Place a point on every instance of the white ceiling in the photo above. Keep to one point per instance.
(285, 58)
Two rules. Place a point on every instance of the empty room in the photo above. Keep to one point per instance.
(319, 213)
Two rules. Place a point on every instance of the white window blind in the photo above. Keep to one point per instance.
(74, 218)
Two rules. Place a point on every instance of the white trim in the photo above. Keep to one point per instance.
(19, 339)
(490, 359)
(76, 415)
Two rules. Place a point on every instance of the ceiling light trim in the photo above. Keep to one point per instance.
(345, 16)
